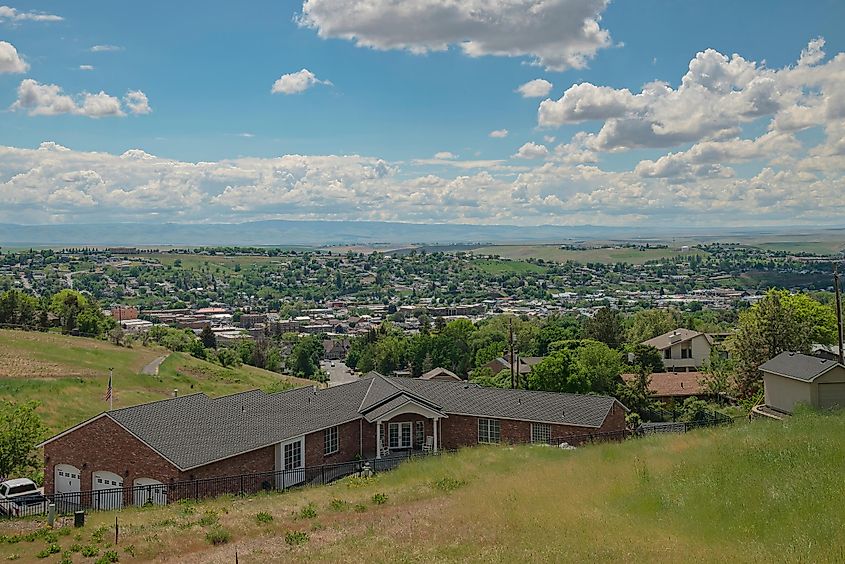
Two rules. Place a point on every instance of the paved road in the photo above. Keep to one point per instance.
(339, 373)
(152, 368)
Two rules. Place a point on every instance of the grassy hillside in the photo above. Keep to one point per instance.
(607, 256)
(756, 492)
(69, 375)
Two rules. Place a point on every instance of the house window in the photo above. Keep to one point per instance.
(419, 433)
(667, 353)
(293, 455)
(399, 435)
(331, 444)
(541, 433)
(488, 431)
(686, 353)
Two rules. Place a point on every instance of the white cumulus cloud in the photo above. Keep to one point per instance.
(10, 60)
(499, 133)
(555, 34)
(105, 48)
(537, 88)
(296, 82)
(532, 150)
(49, 99)
(8, 13)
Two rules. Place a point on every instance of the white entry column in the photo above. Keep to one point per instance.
(436, 424)
(378, 439)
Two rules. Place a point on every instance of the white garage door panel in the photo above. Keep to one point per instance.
(149, 491)
(108, 492)
(66, 479)
(831, 395)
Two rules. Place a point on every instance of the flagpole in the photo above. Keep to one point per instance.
(111, 389)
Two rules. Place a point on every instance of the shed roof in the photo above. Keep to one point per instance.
(798, 366)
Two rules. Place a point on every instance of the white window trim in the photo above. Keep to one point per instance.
(487, 423)
(547, 432)
(328, 441)
(399, 426)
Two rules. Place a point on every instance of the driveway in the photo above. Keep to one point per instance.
(152, 368)
(339, 373)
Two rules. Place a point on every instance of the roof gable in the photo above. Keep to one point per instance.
(798, 366)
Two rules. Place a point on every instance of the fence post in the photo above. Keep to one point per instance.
(196, 490)
(242, 485)
(323, 472)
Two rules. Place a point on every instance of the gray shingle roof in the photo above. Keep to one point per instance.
(798, 366)
(673, 337)
(195, 430)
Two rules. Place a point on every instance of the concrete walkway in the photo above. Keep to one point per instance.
(339, 373)
(152, 368)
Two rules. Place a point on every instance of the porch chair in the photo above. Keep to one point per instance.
(429, 444)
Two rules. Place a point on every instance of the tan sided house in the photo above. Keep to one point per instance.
(195, 437)
(682, 350)
(791, 378)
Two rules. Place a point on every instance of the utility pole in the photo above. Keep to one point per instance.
(510, 351)
(838, 312)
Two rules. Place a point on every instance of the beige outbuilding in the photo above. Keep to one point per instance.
(791, 378)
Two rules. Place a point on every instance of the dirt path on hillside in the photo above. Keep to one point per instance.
(152, 367)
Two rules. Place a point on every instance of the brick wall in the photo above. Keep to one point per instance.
(349, 443)
(460, 430)
(261, 460)
(105, 445)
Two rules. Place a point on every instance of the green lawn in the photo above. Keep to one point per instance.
(607, 256)
(755, 492)
(69, 375)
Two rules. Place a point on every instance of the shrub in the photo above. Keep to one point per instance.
(218, 536)
(90, 551)
(379, 499)
(108, 556)
(75, 547)
(49, 550)
(338, 505)
(360, 508)
(13, 556)
(264, 517)
(294, 538)
(99, 534)
(130, 550)
(448, 484)
(67, 558)
(308, 512)
(209, 518)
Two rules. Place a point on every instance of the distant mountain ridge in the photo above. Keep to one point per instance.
(319, 232)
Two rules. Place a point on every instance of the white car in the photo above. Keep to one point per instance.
(20, 497)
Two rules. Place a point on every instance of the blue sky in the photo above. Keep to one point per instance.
(207, 69)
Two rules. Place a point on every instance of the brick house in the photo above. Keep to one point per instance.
(195, 437)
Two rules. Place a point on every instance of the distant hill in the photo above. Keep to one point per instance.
(285, 233)
(69, 375)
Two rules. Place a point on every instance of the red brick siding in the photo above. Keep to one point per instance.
(261, 460)
(461, 430)
(105, 445)
(349, 443)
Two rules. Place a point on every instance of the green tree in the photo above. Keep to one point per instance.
(648, 357)
(209, 340)
(558, 372)
(649, 323)
(605, 326)
(20, 430)
(779, 322)
(600, 365)
(67, 305)
(304, 359)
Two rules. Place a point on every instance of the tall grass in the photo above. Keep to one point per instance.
(754, 492)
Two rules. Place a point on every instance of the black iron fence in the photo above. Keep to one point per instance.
(243, 484)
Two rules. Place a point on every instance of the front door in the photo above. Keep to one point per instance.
(290, 463)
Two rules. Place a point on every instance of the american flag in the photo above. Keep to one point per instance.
(107, 397)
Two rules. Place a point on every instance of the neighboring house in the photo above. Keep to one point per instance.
(194, 437)
(682, 350)
(793, 378)
(523, 364)
(440, 374)
(666, 386)
(335, 349)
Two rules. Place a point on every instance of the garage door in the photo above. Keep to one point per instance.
(66, 479)
(149, 492)
(108, 490)
(831, 395)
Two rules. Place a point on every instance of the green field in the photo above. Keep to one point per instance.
(757, 492)
(196, 262)
(507, 266)
(69, 375)
(603, 255)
